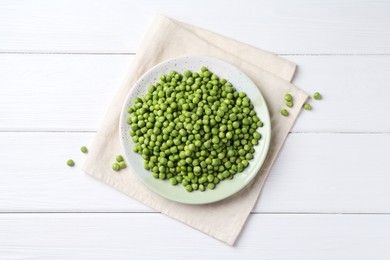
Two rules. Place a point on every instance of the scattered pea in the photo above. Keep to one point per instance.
(119, 158)
(288, 97)
(289, 103)
(317, 96)
(284, 112)
(84, 149)
(307, 106)
(116, 167)
(122, 164)
(70, 163)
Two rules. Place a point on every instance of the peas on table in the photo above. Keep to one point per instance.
(193, 129)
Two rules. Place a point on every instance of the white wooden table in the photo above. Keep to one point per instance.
(327, 196)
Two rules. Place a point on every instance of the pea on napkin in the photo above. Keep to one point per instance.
(224, 219)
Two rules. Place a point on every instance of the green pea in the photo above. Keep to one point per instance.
(211, 185)
(122, 165)
(226, 174)
(284, 112)
(288, 97)
(70, 163)
(119, 158)
(307, 106)
(197, 169)
(116, 167)
(257, 135)
(187, 73)
(188, 187)
(317, 96)
(173, 181)
(84, 149)
(289, 103)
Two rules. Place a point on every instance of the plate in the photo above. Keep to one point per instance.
(225, 188)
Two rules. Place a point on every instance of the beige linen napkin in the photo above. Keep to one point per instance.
(166, 39)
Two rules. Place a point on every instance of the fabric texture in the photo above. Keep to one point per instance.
(167, 39)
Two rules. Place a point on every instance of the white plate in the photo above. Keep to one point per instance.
(225, 188)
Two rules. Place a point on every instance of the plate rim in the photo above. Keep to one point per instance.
(249, 178)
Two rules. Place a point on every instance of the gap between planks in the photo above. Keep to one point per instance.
(95, 131)
(155, 212)
(133, 53)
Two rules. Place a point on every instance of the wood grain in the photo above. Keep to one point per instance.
(281, 26)
(314, 173)
(57, 92)
(153, 236)
(72, 92)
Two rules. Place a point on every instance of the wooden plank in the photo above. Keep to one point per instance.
(342, 173)
(37, 179)
(57, 92)
(325, 173)
(117, 26)
(354, 89)
(72, 92)
(154, 236)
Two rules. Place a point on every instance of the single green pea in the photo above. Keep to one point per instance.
(70, 163)
(187, 73)
(188, 187)
(307, 106)
(257, 135)
(119, 158)
(84, 149)
(317, 96)
(173, 181)
(226, 174)
(211, 185)
(284, 112)
(122, 164)
(289, 103)
(194, 186)
(245, 163)
(116, 167)
(288, 97)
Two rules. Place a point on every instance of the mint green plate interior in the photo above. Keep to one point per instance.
(225, 188)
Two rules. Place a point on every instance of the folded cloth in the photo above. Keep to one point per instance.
(167, 39)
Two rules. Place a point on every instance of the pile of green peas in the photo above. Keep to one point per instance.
(195, 129)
